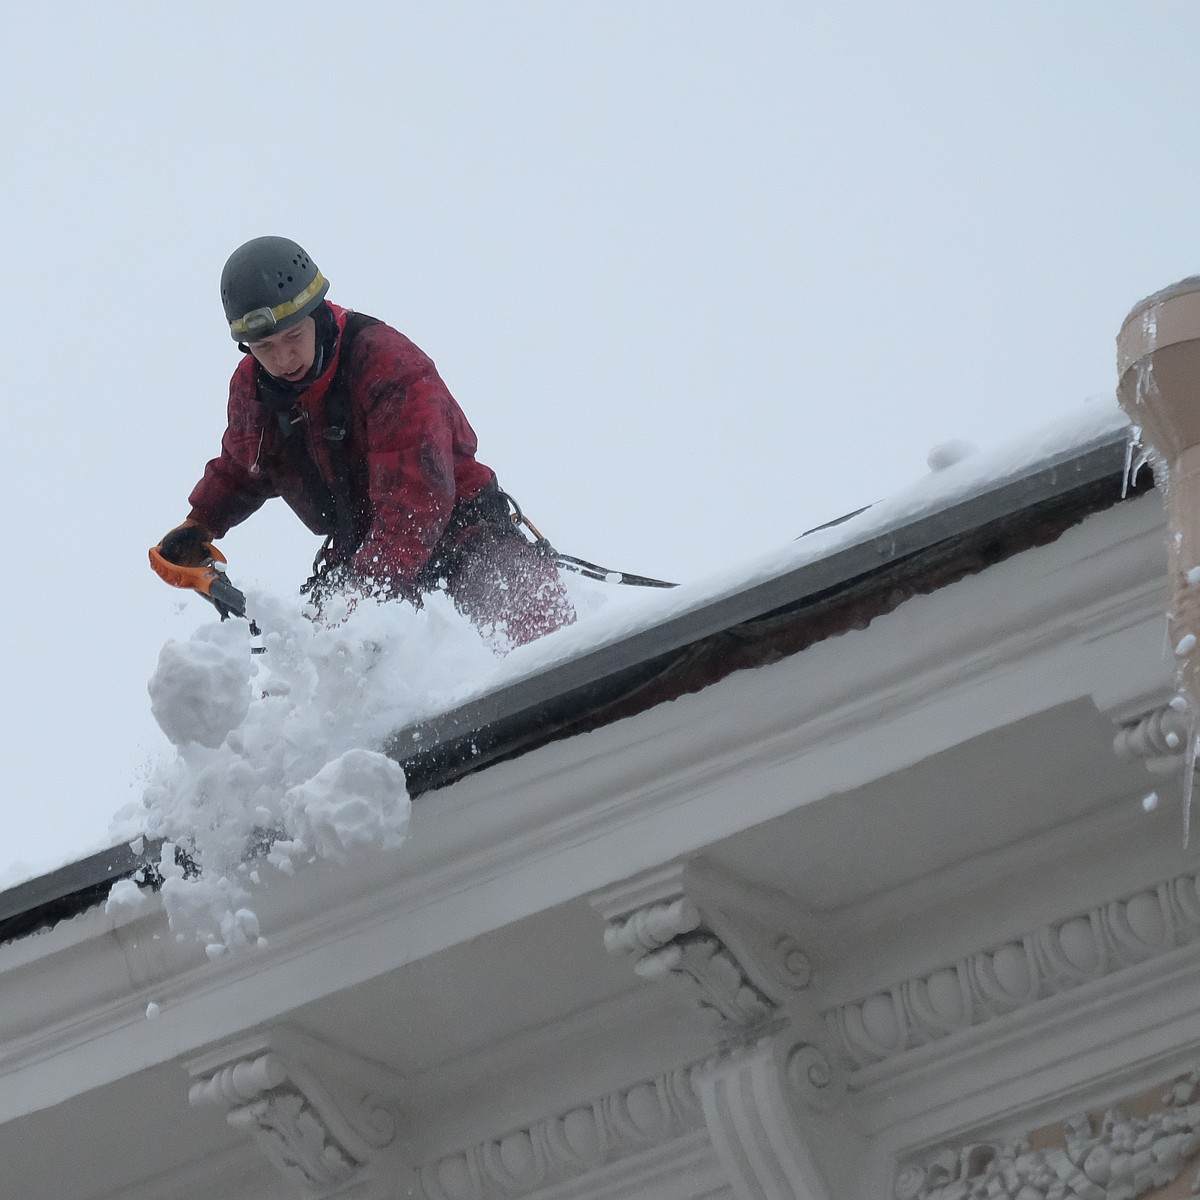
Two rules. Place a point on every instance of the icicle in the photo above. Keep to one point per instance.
(1126, 476)
(1150, 325)
(1189, 780)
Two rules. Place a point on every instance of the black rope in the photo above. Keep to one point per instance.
(580, 566)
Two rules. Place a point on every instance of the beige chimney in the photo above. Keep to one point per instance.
(1158, 372)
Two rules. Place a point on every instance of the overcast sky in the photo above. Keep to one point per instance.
(701, 274)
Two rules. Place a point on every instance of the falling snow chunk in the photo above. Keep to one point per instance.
(1178, 703)
(1172, 740)
(1185, 645)
(200, 692)
(124, 897)
(152, 1011)
(138, 845)
(1150, 802)
(214, 950)
(357, 801)
(1193, 576)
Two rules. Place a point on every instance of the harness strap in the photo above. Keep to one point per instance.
(580, 566)
(337, 429)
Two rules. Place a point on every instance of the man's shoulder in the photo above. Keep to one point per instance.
(381, 348)
(243, 384)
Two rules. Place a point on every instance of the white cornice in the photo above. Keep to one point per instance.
(578, 815)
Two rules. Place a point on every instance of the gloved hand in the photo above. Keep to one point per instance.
(184, 545)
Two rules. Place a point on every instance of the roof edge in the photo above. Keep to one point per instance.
(584, 692)
(777, 617)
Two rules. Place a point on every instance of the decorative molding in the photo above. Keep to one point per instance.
(739, 952)
(319, 1113)
(570, 1145)
(737, 948)
(1158, 738)
(1113, 1157)
(744, 1098)
(1064, 954)
(748, 1099)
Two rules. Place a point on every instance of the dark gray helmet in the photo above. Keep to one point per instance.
(267, 285)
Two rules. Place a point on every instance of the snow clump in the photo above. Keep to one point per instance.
(201, 690)
(124, 897)
(276, 755)
(349, 803)
(947, 454)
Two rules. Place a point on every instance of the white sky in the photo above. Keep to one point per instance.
(701, 274)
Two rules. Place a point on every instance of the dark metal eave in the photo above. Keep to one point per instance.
(59, 895)
(766, 621)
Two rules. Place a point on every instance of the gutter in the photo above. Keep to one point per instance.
(42, 902)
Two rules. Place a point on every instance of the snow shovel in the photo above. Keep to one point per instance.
(210, 581)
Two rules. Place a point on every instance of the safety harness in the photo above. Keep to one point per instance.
(492, 507)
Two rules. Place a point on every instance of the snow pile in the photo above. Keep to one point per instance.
(277, 757)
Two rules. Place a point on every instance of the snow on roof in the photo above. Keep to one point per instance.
(278, 757)
(959, 475)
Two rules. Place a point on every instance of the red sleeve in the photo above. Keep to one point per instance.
(230, 490)
(413, 432)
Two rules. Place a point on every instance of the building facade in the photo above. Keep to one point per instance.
(864, 880)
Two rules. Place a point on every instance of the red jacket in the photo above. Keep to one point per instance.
(409, 450)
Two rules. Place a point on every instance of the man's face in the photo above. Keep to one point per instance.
(289, 353)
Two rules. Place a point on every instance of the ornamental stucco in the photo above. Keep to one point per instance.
(1114, 1156)
(1055, 958)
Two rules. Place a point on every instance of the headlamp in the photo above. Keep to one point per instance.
(257, 324)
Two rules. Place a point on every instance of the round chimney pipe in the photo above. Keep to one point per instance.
(1158, 386)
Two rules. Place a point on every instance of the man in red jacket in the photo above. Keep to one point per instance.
(350, 423)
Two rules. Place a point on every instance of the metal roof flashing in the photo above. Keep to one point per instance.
(771, 619)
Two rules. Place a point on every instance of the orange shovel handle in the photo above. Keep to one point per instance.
(199, 579)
